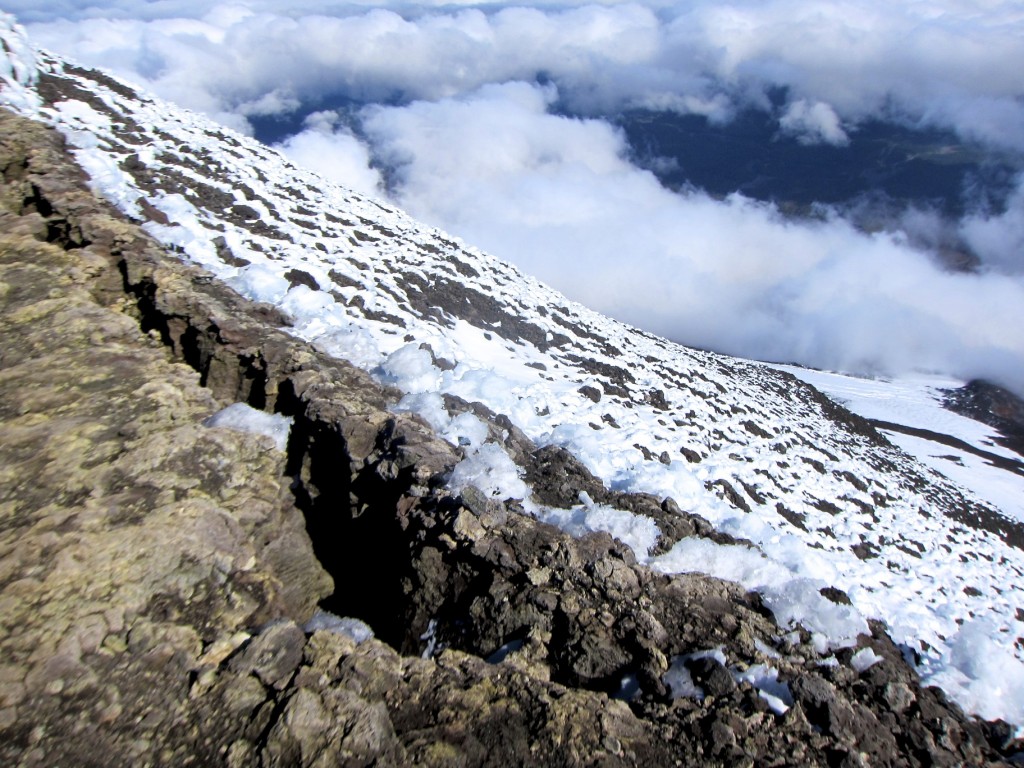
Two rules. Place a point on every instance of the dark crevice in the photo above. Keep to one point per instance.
(192, 354)
(277, 704)
(349, 510)
(37, 203)
(256, 375)
(350, 521)
(150, 318)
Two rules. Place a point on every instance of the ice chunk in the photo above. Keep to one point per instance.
(766, 680)
(502, 653)
(491, 471)
(629, 688)
(245, 418)
(358, 630)
(792, 600)
(680, 682)
(981, 673)
(466, 430)
(433, 647)
(637, 532)
(18, 65)
(411, 369)
(260, 284)
(800, 601)
(865, 658)
(678, 677)
(732, 562)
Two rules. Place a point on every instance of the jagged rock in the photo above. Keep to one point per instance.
(993, 405)
(273, 655)
(710, 675)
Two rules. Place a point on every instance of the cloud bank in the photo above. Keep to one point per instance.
(948, 63)
(557, 196)
(464, 110)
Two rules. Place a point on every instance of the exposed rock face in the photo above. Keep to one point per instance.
(155, 573)
(993, 405)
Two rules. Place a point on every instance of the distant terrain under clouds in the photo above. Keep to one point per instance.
(837, 185)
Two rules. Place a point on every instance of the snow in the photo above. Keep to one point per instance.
(792, 598)
(638, 533)
(490, 470)
(915, 401)
(761, 676)
(720, 436)
(411, 369)
(680, 681)
(987, 679)
(325, 621)
(433, 646)
(257, 282)
(766, 680)
(19, 68)
(245, 418)
(864, 659)
(1002, 488)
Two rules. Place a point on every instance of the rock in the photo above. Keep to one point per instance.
(273, 655)
(824, 705)
(710, 675)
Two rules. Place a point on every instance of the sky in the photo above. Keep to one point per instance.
(496, 122)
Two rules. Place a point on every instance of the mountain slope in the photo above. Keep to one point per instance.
(831, 502)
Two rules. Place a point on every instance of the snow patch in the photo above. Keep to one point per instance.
(864, 659)
(19, 68)
(326, 621)
(411, 369)
(987, 679)
(761, 676)
(635, 531)
(793, 599)
(766, 680)
(490, 470)
(245, 418)
(260, 283)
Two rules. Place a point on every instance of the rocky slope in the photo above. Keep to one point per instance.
(156, 572)
(824, 494)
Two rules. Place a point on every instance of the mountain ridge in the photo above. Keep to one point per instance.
(443, 299)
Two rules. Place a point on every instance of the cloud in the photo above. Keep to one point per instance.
(998, 239)
(939, 63)
(557, 196)
(815, 123)
(334, 153)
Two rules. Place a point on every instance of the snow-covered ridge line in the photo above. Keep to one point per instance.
(764, 457)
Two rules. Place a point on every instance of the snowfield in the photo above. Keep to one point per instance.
(921, 536)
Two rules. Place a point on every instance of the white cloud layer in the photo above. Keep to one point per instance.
(556, 196)
(475, 148)
(944, 63)
(999, 238)
(334, 153)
